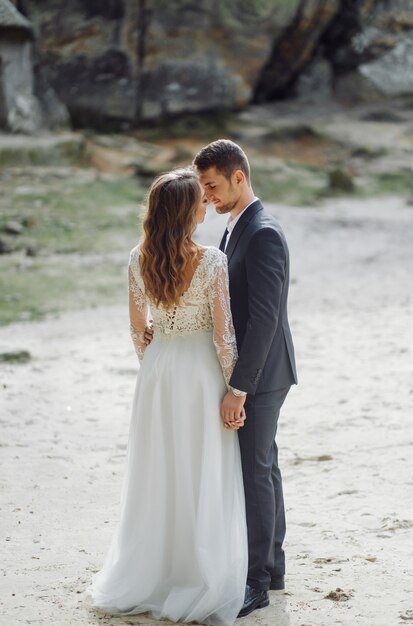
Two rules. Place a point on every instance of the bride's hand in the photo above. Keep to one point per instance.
(232, 409)
(238, 423)
(148, 335)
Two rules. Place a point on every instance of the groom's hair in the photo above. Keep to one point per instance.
(225, 155)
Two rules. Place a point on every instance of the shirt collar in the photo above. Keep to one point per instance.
(232, 221)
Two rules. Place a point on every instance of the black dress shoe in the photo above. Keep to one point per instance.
(277, 583)
(254, 599)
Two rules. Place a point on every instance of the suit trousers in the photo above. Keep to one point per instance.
(263, 487)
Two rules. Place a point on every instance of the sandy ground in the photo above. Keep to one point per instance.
(345, 434)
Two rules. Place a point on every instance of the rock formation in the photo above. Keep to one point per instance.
(27, 101)
(124, 62)
(121, 61)
(19, 109)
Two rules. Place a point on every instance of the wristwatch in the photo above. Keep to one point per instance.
(238, 392)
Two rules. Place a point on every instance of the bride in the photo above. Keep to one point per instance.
(180, 549)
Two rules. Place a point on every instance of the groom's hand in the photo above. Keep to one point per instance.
(232, 410)
(148, 335)
(239, 423)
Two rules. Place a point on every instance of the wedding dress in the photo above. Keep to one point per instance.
(180, 550)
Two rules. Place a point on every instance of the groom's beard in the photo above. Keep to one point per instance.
(226, 208)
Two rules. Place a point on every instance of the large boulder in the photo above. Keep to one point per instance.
(122, 61)
(358, 51)
(392, 74)
(371, 50)
(24, 115)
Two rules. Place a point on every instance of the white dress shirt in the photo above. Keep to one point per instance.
(232, 222)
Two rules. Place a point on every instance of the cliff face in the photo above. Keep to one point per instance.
(126, 61)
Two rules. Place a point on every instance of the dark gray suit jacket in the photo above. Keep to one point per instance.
(258, 263)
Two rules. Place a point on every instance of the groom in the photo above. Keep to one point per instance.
(258, 263)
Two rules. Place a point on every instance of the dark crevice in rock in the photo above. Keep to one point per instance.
(142, 25)
(21, 7)
(330, 32)
(294, 49)
(339, 40)
(109, 9)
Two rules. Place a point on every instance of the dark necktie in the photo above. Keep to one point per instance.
(223, 241)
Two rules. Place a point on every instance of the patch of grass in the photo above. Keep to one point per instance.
(82, 235)
(395, 184)
(69, 152)
(52, 285)
(85, 218)
(293, 184)
(296, 184)
(398, 184)
(202, 126)
(293, 132)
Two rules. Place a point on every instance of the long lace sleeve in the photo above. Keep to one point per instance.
(223, 333)
(138, 313)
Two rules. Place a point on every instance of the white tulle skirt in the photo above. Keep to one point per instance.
(180, 550)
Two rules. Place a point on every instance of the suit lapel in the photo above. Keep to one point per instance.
(223, 240)
(241, 225)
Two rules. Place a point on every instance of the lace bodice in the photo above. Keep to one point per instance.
(204, 306)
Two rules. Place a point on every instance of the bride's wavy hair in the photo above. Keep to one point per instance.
(168, 225)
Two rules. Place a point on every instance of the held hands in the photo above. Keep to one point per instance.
(232, 411)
